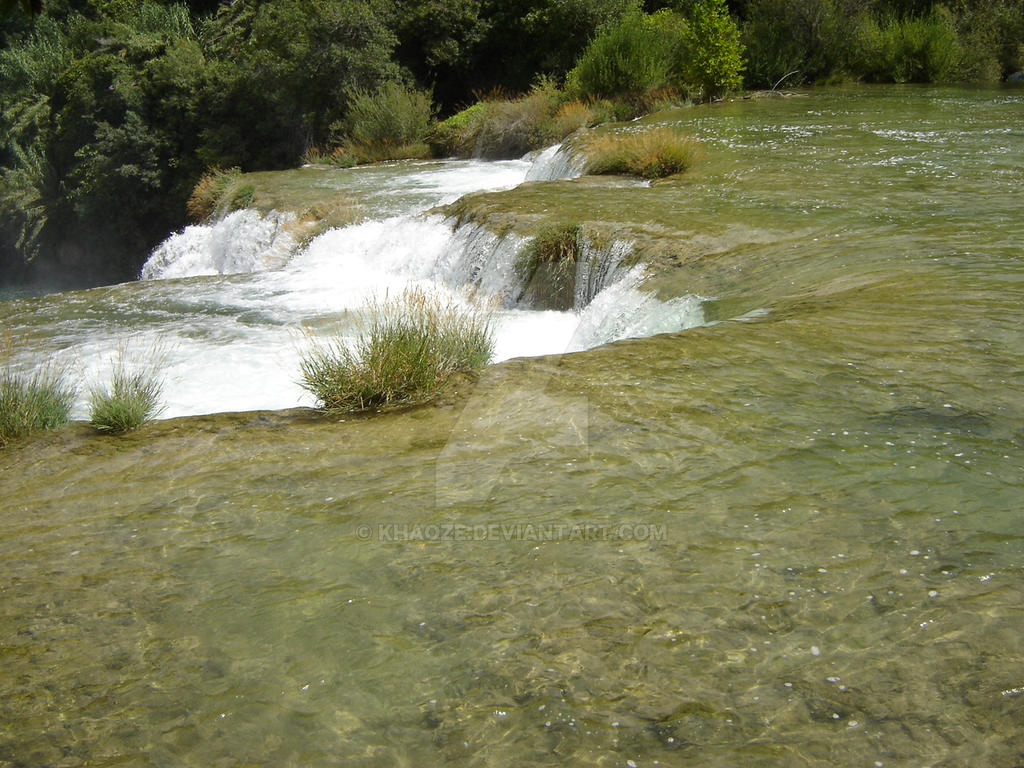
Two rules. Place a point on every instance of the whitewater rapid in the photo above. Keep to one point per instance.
(233, 305)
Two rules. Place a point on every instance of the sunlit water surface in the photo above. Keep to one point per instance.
(791, 536)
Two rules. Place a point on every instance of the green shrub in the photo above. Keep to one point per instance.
(713, 58)
(512, 128)
(628, 59)
(922, 49)
(498, 128)
(390, 123)
(509, 128)
(546, 266)
(809, 40)
(35, 402)
(652, 154)
(131, 399)
(457, 135)
(407, 349)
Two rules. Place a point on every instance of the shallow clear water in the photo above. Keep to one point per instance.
(791, 538)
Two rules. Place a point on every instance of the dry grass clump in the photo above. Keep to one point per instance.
(218, 192)
(407, 348)
(652, 154)
(572, 116)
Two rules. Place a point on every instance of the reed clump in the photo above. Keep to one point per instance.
(33, 402)
(130, 399)
(652, 154)
(406, 350)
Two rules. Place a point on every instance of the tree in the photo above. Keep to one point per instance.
(98, 157)
(715, 53)
(438, 42)
(29, 7)
(280, 73)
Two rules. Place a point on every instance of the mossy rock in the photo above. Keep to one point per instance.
(546, 265)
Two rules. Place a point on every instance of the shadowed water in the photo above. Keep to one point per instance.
(789, 538)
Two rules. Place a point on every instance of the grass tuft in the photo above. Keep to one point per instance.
(408, 347)
(35, 402)
(652, 154)
(131, 399)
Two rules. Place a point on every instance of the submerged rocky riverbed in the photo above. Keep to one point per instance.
(788, 535)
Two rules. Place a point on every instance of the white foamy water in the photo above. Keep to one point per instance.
(245, 299)
(556, 162)
(243, 241)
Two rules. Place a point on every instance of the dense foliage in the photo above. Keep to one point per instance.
(807, 41)
(112, 110)
(695, 52)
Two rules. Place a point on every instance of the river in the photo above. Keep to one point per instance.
(783, 530)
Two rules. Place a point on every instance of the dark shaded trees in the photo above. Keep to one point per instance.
(109, 116)
(97, 153)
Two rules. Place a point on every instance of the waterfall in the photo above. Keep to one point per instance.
(622, 310)
(236, 343)
(555, 162)
(597, 269)
(246, 241)
(242, 241)
(482, 260)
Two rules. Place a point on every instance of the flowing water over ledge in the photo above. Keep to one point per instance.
(790, 538)
(231, 305)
